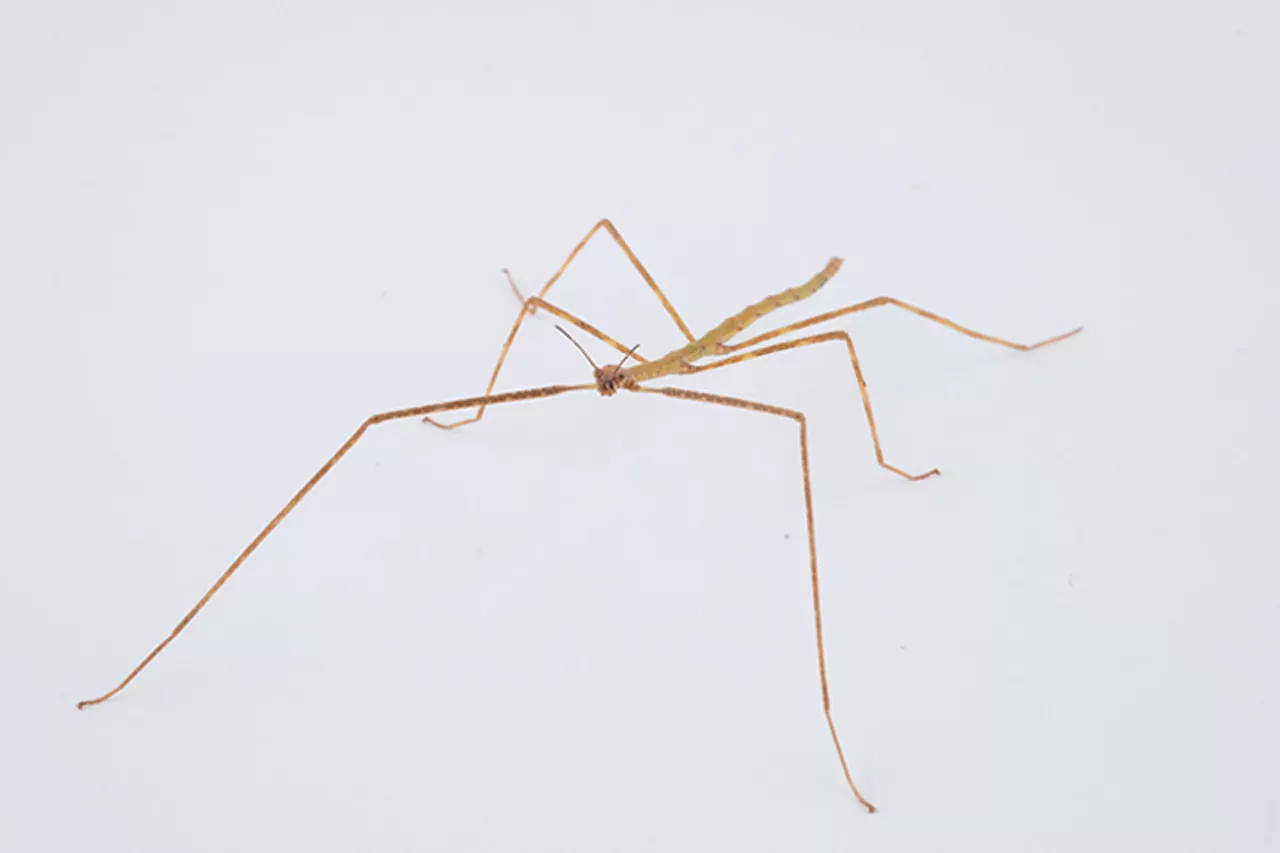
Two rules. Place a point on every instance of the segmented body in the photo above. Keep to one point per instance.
(713, 342)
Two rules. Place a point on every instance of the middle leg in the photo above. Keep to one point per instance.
(533, 303)
(857, 372)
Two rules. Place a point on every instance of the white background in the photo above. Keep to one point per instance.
(229, 232)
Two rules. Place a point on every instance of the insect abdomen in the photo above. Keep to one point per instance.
(735, 324)
(712, 342)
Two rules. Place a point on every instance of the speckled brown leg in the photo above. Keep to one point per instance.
(398, 414)
(798, 417)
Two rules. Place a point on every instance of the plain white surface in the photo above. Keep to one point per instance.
(232, 232)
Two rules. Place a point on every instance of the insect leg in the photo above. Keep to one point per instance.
(798, 417)
(609, 227)
(372, 420)
(533, 303)
(529, 305)
(920, 312)
(857, 372)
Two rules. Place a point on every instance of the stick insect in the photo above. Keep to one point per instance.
(711, 351)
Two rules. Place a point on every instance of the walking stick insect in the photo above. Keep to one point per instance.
(608, 380)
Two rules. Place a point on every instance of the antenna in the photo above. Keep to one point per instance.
(579, 346)
(628, 355)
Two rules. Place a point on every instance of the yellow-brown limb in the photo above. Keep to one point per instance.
(397, 414)
(530, 305)
(798, 417)
(531, 394)
(502, 357)
(889, 300)
(631, 256)
(857, 372)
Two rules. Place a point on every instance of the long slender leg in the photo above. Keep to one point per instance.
(398, 414)
(889, 300)
(798, 417)
(857, 372)
(635, 262)
(531, 305)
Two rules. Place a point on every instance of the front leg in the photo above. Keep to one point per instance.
(530, 305)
